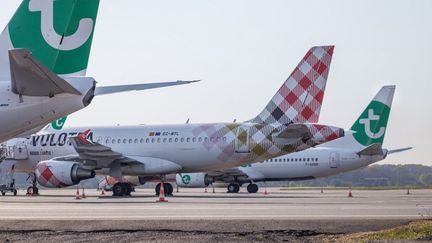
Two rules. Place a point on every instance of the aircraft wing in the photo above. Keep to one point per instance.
(29, 77)
(399, 150)
(103, 90)
(98, 155)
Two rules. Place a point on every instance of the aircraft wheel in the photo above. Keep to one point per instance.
(157, 189)
(168, 188)
(233, 188)
(128, 189)
(3, 193)
(119, 189)
(252, 188)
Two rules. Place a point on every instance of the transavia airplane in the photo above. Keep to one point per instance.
(36, 47)
(286, 125)
(361, 146)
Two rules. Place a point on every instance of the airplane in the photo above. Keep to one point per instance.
(360, 147)
(66, 157)
(43, 62)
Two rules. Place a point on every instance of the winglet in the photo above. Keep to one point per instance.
(83, 136)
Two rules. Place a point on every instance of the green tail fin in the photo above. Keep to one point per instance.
(371, 126)
(58, 33)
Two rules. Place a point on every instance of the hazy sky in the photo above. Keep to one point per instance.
(244, 50)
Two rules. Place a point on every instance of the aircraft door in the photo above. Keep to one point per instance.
(242, 142)
(20, 152)
(334, 160)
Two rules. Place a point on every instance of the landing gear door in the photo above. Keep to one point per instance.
(242, 142)
(334, 160)
(20, 152)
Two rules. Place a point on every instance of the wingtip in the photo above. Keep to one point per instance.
(190, 81)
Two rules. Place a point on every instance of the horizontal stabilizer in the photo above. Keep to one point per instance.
(30, 78)
(399, 150)
(373, 149)
(137, 87)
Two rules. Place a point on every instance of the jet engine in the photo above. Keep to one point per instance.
(193, 180)
(55, 173)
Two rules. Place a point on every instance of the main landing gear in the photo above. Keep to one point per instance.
(121, 189)
(235, 188)
(33, 190)
(168, 189)
(252, 188)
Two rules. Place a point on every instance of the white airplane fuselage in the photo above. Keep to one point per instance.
(174, 148)
(309, 164)
(26, 114)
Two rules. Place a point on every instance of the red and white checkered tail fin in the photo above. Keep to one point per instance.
(300, 97)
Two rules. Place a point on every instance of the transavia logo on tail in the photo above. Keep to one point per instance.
(58, 125)
(186, 179)
(371, 126)
(52, 38)
(58, 33)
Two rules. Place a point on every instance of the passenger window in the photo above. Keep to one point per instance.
(130, 140)
(217, 139)
(169, 140)
(188, 140)
(176, 140)
(304, 159)
(142, 140)
(307, 159)
(194, 139)
(113, 141)
(182, 140)
(158, 140)
(295, 160)
(136, 140)
(206, 139)
(119, 140)
(200, 139)
(147, 140)
(124, 140)
(153, 140)
(211, 139)
(164, 140)
(316, 159)
(107, 141)
(224, 139)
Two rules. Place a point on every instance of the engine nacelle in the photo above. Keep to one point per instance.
(56, 173)
(194, 180)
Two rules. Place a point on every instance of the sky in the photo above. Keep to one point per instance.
(243, 50)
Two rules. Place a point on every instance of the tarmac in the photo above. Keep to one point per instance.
(195, 215)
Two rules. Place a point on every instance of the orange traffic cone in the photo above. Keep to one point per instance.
(103, 191)
(408, 192)
(214, 191)
(162, 193)
(350, 193)
(83, 193)
(322, 191)
(265, 189)
(205, 189)
(77, 194)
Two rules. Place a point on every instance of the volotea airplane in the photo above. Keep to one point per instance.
(151, 152)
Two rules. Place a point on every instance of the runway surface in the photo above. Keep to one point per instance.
(193, 211)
